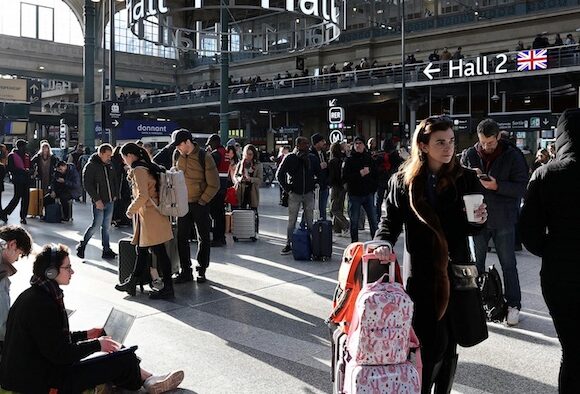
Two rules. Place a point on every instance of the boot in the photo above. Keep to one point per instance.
(129, 285)
(444, 380)
(165, 294)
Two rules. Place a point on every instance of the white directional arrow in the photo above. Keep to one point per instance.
(115, 123)
(34, 89)
(429, 69)
(546, 121)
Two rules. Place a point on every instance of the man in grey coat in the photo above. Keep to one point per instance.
(503, 174)
(102, 185)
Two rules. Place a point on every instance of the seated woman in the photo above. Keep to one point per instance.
(40, 353)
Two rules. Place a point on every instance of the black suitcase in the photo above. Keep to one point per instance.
(321, 233)
(127, 259)
(53, 213)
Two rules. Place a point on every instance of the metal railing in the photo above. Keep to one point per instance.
(557, 57)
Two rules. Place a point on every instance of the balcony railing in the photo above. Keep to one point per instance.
(384, 77)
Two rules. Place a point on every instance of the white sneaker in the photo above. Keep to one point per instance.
(513, 316)
(163, 383)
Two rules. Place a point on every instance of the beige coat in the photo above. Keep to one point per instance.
(149, 226)
(256, 181)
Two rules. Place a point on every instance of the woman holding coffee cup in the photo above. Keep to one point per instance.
(426, 197)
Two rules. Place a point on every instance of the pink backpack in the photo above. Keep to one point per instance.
(381, 340)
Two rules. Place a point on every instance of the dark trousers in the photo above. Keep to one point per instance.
(562, 297)
(218, 215)
(439, 356)
(163, 263)
(66, 203)
(120, 368)
(22, 194)
(197, 216)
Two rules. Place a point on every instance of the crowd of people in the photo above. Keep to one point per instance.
(419, 193)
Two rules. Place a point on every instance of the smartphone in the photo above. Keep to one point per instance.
(484, 177)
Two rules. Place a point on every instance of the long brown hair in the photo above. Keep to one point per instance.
(414, 173)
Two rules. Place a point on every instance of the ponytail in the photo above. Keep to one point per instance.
(143, 160)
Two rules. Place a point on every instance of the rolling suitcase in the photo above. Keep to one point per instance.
(244, 224)
(301, 246)
(321, 233)
(53, 213)
(35, 202)
(127, 259)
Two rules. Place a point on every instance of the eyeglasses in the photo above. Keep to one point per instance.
(67, 267)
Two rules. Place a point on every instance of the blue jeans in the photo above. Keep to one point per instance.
(101, 218)
(504, 240)
(354, 205)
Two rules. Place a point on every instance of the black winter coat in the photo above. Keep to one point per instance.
(100, 180)
(37, 350)
(419, 239)
(550, 217)
(322, 178)
(511, 172)
(357, 185)
(302, 174)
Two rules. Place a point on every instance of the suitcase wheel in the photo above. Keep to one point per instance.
(254, 239)
(235, 239)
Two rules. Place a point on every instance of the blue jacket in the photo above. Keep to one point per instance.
(511, 172)
(71, 185)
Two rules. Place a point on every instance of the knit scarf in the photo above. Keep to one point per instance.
(489, 158)
(55, 292)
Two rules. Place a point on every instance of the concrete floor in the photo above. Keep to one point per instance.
(257, 325)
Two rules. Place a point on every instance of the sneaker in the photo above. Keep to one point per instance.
(345, 233)
(183, 277)
(109, 254)
(513, 316)
(287, 250)
(81, 251)
(163, 383)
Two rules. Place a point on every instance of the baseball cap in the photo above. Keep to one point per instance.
(213, 137)
(179, 136)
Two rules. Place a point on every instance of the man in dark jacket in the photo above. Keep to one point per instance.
(360, 175)
(505, 184)
(66, 186)
(297, 176)
(217, 204)
(550, 228)
(165, 156)
(318, 150)
(19, 169)
(102, 185)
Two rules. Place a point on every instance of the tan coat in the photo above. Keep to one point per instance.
(256, 181)
(149, 226)
(200, 187)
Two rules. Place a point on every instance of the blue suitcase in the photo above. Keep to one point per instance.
(53, 213)
(301, 247)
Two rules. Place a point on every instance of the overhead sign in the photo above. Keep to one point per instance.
(336, 115)
(63, 136)
(34, 92)
(526, 122)
(112, 114)
(335, 136)
(13, 89)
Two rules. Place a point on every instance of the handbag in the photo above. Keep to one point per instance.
(467, 317)
(231, 196)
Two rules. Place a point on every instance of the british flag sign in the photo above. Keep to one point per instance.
(535, 59)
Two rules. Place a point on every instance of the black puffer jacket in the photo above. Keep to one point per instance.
(357, 185)
(550, 217)
(100, 180)
(298, 174)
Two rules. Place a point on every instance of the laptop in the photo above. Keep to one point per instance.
(118, 325)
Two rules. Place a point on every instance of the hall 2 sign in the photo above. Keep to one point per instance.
(460, 68)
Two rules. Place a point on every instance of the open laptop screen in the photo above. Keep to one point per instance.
(118, 325)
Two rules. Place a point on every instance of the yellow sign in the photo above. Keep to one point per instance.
(13, 89)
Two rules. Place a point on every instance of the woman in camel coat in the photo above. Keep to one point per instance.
(248, 178)
(151, 229)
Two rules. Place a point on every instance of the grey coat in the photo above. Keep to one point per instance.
(511, 172)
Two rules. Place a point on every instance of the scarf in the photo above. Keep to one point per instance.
(489, 158)
(55, 292)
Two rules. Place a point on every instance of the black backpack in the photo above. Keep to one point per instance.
(494, 303)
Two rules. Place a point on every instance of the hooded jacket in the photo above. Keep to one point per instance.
(298, 172)
(100, 180)
(550, 217)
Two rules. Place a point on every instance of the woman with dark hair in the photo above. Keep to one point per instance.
(426, 196)
(41, 354)
(124, 198)
(232, 156)
(340, 224)
(151, 229)
(248, 178)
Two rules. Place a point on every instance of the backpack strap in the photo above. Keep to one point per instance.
(202, 159)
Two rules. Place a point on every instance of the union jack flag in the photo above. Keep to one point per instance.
(535, 59)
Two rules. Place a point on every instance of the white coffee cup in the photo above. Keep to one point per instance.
(472, 202)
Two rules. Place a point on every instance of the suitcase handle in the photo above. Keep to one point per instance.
(367, 255)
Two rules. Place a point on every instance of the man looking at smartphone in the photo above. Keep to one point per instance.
(503, 173)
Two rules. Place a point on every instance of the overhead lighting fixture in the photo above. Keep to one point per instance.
(96, 1)
(527, 100)
(354, 9)
(145, 113)
(249, 30)
(376, 93)
(380, 11)
(389, 27)
(161, 120)
(174, 65)
(383, 26)
(476, 13)
(263, 112)
(100, 70)
(41, 67)
(297, 20)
